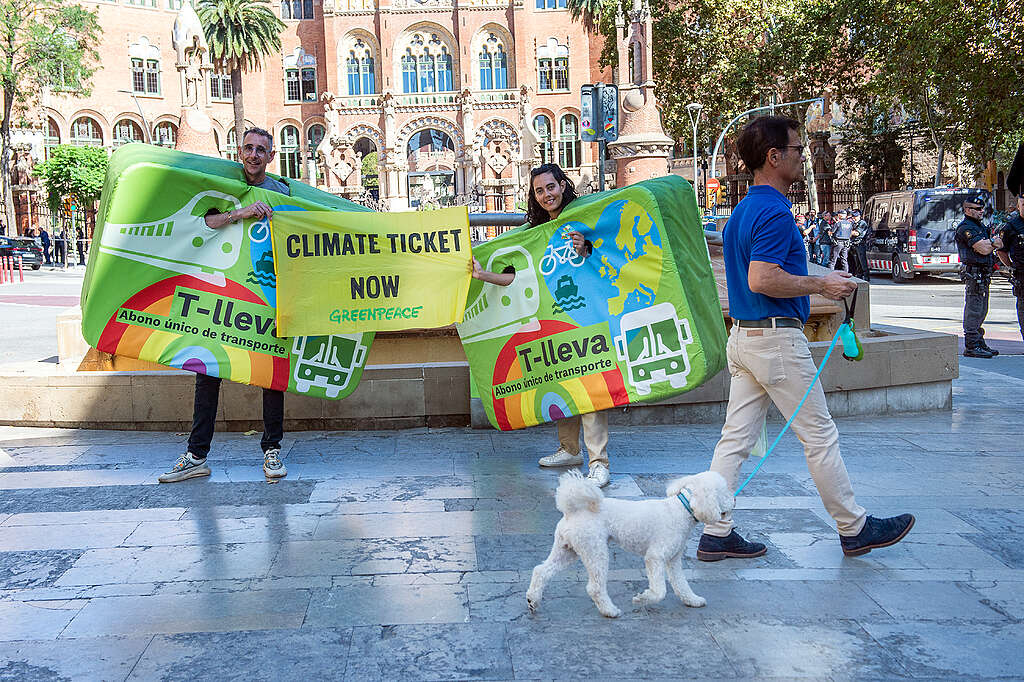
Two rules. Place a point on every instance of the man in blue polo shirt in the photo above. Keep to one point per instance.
(769, 358)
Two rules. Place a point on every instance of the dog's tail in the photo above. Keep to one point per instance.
(577, 493)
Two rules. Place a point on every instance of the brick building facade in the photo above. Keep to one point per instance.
(459, 98)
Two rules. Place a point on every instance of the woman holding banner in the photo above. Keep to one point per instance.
(550, 192)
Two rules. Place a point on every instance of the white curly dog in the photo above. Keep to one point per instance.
(655, 529)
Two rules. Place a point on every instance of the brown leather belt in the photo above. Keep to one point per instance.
(771, 322)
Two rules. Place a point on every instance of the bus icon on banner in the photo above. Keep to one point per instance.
(327, 362)
(653, 343)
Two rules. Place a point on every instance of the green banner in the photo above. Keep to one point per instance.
(162, 286)
(638, 320)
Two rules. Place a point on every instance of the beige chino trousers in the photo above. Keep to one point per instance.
(595, 436)
(775, 366)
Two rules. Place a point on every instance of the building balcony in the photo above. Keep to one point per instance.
(483, 96)
(420, 99)
(358, 101)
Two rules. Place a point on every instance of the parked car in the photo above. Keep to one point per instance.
(913, 231)
(26, 247)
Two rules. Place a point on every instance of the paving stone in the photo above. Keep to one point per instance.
(214, 611)
(192, 493)
(387, 605)
(70, 536)
(375, 555)
(759, 649)
(931, 600)
(36, 619)
(1001, 533)
(34, 569)
(418, 524)
(790, 600)
(616, 650)
(430, 652)
(98, 516)
(169, 564)
(296, 654)
(215, 531)
(942, 651)
(90, 658)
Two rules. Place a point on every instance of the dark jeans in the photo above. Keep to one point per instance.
(975, 306)
(825, 255)
(204, 416)
(859, 262)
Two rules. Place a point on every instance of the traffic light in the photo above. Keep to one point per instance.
(721, 195)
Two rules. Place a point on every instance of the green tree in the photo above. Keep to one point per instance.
(369, 170)
(43, 44)
(240, 34)
(73, 172)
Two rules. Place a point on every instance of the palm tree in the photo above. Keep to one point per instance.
(240, 33)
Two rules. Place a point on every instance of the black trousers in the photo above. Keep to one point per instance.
(975, 305)
(204, 416)
(1018, 290)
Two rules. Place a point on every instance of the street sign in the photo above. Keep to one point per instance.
(599, 112)
(712, 185)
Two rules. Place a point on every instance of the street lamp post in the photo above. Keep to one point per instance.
(693, 110)
(145, 123)
(721, 138)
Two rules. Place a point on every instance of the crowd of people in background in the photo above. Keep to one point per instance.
(60, 248)
(837, 241)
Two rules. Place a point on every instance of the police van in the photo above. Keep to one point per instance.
(912, 232)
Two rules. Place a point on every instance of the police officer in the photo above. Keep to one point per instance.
(859, 247)
(1012, 254)
(975, 244)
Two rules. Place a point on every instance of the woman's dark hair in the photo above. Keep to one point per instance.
(762, 134)
(535, 214)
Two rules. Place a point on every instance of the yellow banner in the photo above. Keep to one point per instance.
(341, 273)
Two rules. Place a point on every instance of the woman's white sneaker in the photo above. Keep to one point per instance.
(273, 467)
(561, 458)
(187, 466)
(599, 474)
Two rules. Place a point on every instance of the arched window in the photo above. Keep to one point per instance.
(52, 138)
(314, 136)
(289, 153)
(166, 134)
(409, 82)
(552, 67)
(231, 148)
(486, 74)
(493, 65)
(299, 77)
(569, 142)
(126, 131)
(543, 126)
(85, 132)
(361, 79)
(427, 66)
(145, 66)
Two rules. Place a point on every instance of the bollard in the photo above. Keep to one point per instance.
(21, 271)
(3, 269)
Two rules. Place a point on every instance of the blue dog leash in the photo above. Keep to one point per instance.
(852, 350)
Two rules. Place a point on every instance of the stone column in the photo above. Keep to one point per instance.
(823, 160)
(643, 149)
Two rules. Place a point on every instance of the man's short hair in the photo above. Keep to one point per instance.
(762, 134)
(974, 205)
(261, 132)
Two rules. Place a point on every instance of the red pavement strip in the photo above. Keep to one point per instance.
(40, 300)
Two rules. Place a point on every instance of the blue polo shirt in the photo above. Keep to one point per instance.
(762, 228)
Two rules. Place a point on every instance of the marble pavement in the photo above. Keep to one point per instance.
(405, 555)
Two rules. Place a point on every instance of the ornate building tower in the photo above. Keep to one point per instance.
(643, 149)
(195, 130)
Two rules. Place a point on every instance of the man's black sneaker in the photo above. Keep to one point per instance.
(991, 350)
(978, 353)
(712, 548)
(877, 533)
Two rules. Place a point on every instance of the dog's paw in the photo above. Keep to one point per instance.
(695, 601)
(646, 597)
(612, 612)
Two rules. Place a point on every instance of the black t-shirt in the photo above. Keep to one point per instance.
(968, 233)
(1013, 241)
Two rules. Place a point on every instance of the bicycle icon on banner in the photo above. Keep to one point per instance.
(555, 256)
